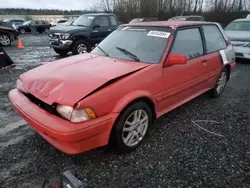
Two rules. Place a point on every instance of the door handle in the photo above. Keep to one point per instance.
(204, 61)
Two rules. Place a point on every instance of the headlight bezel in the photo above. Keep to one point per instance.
(76, 115)
(64, 36)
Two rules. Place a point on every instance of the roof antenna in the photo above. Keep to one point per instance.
(181, 14)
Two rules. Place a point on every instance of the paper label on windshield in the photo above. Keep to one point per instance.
(91, 17)
(161, 34)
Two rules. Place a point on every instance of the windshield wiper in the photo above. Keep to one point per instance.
(126, 52)
(103, 51)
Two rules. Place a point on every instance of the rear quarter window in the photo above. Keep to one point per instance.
(215, 41)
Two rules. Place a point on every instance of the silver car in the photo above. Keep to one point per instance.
(238, 32)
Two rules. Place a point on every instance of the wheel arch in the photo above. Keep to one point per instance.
(127, 101)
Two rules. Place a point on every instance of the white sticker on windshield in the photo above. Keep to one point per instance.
(161, 34)
(91, 17)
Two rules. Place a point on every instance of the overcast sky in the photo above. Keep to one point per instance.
(48, 4)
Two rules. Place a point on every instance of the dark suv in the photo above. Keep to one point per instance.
(83, 34)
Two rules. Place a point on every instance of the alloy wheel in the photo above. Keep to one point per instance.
(5, 40)
(135, 127)
(22, 31)
(81, 48)
(221, 83)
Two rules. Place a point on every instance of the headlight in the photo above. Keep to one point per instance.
(76, 115)
(64, 36)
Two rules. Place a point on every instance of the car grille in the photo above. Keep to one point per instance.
(49, 108)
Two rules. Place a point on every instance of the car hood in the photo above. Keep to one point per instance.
(6, 28)
(68, 80)
(67, 29)
(238, 35)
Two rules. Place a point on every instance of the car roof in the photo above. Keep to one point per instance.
(170, 23)
(98, 14)
(241, 19)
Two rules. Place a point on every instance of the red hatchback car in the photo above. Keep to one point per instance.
(138, 73)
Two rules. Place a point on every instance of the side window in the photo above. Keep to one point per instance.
(102, 21)
(113, 21)
(62, 21)
(189, 43)
(214, 39)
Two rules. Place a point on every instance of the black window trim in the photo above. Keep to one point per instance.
(207, 53)
(199, 27)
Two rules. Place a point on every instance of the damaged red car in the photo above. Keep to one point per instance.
(113, 94)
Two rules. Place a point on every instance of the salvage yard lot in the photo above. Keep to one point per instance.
(176, 153)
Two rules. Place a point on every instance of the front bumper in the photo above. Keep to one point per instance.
(240, 50)
(60, 44)
(68, 137)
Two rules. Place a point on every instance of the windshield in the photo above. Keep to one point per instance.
(145, 44)
(84, 20)
(69, 22)
(27, 23)
(136, 20)
(239, 26)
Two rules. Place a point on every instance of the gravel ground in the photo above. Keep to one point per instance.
(176, 153)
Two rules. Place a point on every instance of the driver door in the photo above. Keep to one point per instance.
(101, 29)
(184, 82)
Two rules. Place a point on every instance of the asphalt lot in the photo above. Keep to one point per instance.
(176, 153)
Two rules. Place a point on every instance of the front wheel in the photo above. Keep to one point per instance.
(22, 31)
(220, 84)
(80, 47)
(132, 126)
(5, 40)
(46, 30)
(61, 52)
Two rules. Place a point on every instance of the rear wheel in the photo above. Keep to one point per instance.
(132, 126)
(61, 52)
(5, 40)
(220, 84)
(81, 47)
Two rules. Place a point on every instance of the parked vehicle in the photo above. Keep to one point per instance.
(15, 21)
(238, 32)
(39, 26)
(188, 18)
(83, 34)
(69, 22)
(114, 94)
(58, 21)
(136, 20)
(7, 34)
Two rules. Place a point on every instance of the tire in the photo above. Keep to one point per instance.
(46, 30)
(22, 31)
(220, 84)
(5, 40)
(78, 44)
(123, 134)
(40, 31)
(61, 52)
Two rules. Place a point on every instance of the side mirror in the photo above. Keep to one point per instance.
(176, 59)
(96, 26)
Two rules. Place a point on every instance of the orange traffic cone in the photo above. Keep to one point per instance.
(20, 44)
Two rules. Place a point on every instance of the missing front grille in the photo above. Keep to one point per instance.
(49, 108)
